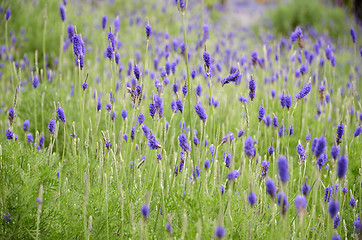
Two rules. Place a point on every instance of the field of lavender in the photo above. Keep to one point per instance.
(168, 119)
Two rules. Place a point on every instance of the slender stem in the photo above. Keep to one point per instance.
(44, 37)
(212, 110)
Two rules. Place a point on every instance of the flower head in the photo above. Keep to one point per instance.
(283, 169)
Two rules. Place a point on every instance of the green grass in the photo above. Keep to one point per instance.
(99, 196)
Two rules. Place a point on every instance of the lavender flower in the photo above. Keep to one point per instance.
(301, 151)
(252, 89)
(352, 202)
(233, 77)
(41, 142)
(124, 113)
(26, 125)
(300, 203)
(207, 60)
(207, 164)
(35, 82)
(183, 142)
(200, 111)
(7, 14)
(104, 21)
(283, 169)
(62, 12)
(252, 199)
(353, 35)
(145, 211)
(342, 166)
(261, 113)
(333, 208)
(51, 126)
(141, 119)
(320, 146)
(179, 105)
(61, 115)
(9, 134)
(241, 133)
(220, 230)
(152, 109)
(357, 132)
(270, 187)
(152, 142)
(249, 147)
(148, 31)
(29, 137)
(340, 132)
(336, 221)
(305, 189)
(265, 168)
(283, 202)
(304, 92)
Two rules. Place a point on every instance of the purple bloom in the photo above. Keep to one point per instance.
(333, 208)
(249, 147)
(301, 151)
(35, 82)
(152, 142)
(70, 30)
(233, 77)
(336, 221)
(252, 89)
(207, 164)
(136, 72)
(125, 137)
(340, 132)
(141, 119)
(184, 90)
(179, 105)
(305, 189)
(342, 166)
(352, 202)
(124, 113)
(9, 134)
(196, 140)
(109, 52)
(200, 111)
(152, 109)
(270, 187)
(198, 90)
(7, 14)
(207, 59)
(108, 144)
(304, 92)
(283, 202)
(61, 115)
(320, 146)
(275, 122)
(252, 199)
(183, 142)
(51, 126)
(29, 137)
(62, 12)
(353, 35)
(261, 113)
(148, 31)
(26, 125)
(41, 142)
(283, 169)
(300, 203)
(241, 133)
(145, 211)
(220, 231)
(104, 21)
(265, 168)
(357, 132)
